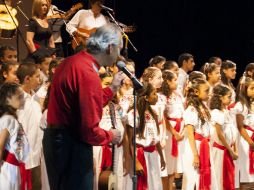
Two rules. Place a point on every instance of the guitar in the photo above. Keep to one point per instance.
(108, 178)
(78, 40)
(7, 26)
(73, 9)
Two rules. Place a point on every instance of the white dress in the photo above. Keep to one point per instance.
(243, 149)
(159, 108)
(106, 124)
(190, 174)
(222, 118)
(151, 158)
(16, 144)
(174, 109)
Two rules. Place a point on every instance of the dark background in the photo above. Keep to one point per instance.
(207, 28)
(171, 27)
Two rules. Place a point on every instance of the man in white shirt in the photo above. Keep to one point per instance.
(87, 19)
(186, 64)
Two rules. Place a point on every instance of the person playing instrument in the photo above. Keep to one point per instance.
(87, 19)
(39, 34)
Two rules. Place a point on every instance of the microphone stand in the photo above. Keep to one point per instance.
(18, 31)
(67, 28)
(134, 177)
(21, 11)
(123, 33)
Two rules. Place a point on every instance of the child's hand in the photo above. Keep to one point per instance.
(153, 142)
(196, 162)
(1, 163)
(127, 166)
(233, 155)
(139, 168)
(179, 137)
(163, 164)
(252, 145)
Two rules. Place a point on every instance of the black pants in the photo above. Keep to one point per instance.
(69, 162)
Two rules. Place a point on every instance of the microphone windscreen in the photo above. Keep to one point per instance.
(120, 64)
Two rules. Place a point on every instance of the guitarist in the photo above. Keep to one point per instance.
(87, 19)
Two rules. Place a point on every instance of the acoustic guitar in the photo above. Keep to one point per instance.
(7, 26)
(108, 178)
(78, 40)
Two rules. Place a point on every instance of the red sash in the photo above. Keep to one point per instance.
(251, 151)
(106, 160)
(174, 150)
(142, 180)
(205, 165)
(26, 176)
(228, 168)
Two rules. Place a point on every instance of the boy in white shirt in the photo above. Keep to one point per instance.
(186, 64)
(29, 116)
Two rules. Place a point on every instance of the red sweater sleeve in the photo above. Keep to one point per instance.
(91, 100)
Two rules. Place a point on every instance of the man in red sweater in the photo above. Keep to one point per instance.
(75, 110)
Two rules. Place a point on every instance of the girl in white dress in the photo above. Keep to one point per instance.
(212, 72)
(224, 149)
(153, 76)
(175, 125)
(244, 110)
(103, 154)
(198, 169)
(14, 147)
(148, 140)
(228, 73)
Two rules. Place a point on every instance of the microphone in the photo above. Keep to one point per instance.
(107, 8)
(136, 83)
(59, 11)
(19, 2)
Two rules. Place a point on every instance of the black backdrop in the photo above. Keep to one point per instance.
(170, 27)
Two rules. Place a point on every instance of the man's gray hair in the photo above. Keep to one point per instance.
(104, 36)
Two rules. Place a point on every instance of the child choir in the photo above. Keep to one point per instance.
(192, 126)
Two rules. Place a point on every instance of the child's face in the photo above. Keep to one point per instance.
(157, 80)
(160, 65)
(127, 80)
(153, 97)
(35, 80)
(11, 76)
(250, 90)
(203, 92)
(175, 69)
(9, 55)
(17, 100)
(172, 83)
(215, 75)
(45, 65)
(230, 73)
(106, 81)
(190, 64)
(226, 99)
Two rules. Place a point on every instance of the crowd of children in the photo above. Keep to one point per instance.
(194, 130)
